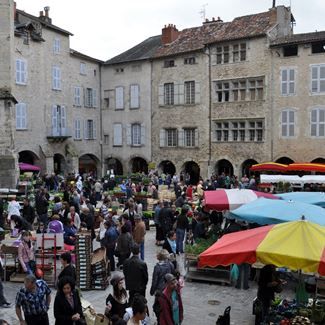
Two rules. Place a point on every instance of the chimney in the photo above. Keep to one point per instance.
(219, 20)
(41, 14)
(169, 34)
(46, 10)
(45, 15)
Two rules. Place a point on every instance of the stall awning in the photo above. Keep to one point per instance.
(269, 166)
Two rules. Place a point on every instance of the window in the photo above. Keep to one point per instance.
(189, 137)
(239, 52)
(90, 97)
(189, 92)
(239, 131)
(256, 89)
(287, 81)
(317, 122)
(169, 63)
(21, 116)
(291, 50)
(318, 47)
(222, 91)
(222, 54)
(90, 130)
(21, 72)
(56, 46)
(239, 90)
(56, 78)
(134, 96)
(59, 121)
(288, 123)
(77, 129)
(135, 134)
(318, 79)
(77, 96)
(117, 135)
(168, 94)
(119, 98)
(171, 137)
(190, 60)
(83, 68)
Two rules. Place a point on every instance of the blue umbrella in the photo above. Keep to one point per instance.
(267, 212)
(316, 198)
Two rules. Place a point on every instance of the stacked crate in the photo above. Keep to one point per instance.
(99, 269)
(83, 249)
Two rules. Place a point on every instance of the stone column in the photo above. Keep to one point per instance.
(49, 165)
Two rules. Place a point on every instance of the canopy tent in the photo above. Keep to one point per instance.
(266, 212)
(298, 245)
(221, 200)
(293, 179)
(316, 198)
(306, 167)
(28, 167)
(269, 166)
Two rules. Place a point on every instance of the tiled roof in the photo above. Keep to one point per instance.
(84, 56)
(299, 39)
(194, 39)
(142, 51)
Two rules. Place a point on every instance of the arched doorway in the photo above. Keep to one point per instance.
(247, 164)
(89, 164)
(139, 165)
(28, 157)
(318, 161)
(167, 167)
(116, 165)
(284, 160)
(192, 169)
(59, 164)
(224, 166)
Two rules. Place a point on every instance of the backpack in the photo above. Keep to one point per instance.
(225, 318)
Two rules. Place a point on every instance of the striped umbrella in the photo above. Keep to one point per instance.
(269, 166)
(298, 245)
(306, 167)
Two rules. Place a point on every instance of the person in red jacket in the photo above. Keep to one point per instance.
(170, 301)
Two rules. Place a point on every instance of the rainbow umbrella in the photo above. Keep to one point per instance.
(269, 166)
(297, 245)
(306, 167)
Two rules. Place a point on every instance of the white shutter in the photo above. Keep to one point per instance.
(176, 94)
(58, 77)
(196, 137)
(134, 96)
(117, 135)
(162, 138)
(24, 116)
(213, 55)
(128, 134)
(54, 120)
(24, 71)
(85, 96)
(94, 98)
(18, 116)
(181, 94)
(63, 120)
(94, 129)
(85, 130)
(76, 134)
(161, 101)
(119, 98)
(197, 87)
(17, 71)
(181, 138)
(143, 134)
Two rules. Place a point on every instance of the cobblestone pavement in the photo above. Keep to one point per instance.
(203, 302)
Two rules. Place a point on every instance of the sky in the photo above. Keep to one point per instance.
(107, 28)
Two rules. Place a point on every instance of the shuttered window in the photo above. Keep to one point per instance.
(56, 78)
(117, 134)
(119, 98)
(134, 96)
(288, 123)
(21, 72)
(21, 116)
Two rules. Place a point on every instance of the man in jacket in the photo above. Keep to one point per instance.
(170, 301)
(166, 219)
(28, 212)
(139, 233)
(42, 204)
(136, 274)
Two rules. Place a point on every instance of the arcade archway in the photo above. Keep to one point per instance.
(192, 169)
(224, 166)
(247, 164)
(284, 160)
(138, 165)
(318, 161)
(116, 165)
(167, 167)
(89, 164)
(28, 157)
(59, 164)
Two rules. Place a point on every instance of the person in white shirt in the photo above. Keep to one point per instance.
(13, 209)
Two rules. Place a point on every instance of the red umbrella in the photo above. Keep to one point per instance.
(221, 200)
(307, 167)
(269, 166)
(28, 167)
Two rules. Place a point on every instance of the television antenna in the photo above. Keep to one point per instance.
(202, 12)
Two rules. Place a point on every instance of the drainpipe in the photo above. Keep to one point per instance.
(208, 53)
(272, 106)
(101, 123)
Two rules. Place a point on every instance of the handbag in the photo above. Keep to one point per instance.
(101, 320)
(225, 318)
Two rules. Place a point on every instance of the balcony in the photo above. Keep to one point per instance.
(58, 134)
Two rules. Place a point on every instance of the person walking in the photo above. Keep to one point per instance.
(41, 203)
(67, 304)
(182, 225)
(124, 245)
(68, 269)
(136, 274)
(139, 233)
(26, 255)
(109, 242)
(34, 301)
(159, 233)
(170, 301)
(28, 212)
(3, 301)
(166, 219)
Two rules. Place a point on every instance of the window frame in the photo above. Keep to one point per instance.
(288, 81)
(136, 135)
(77, 129)
(317, 123)
(56, 46)
(82, 68)
(189, 92)
(119, 98)
(21, 117)
(169, 94)
(318, 79)
(189, 137)
(134, 96)
(171, 137)
(21, 74)
(287, 124)
(77, 96)
(56, 78)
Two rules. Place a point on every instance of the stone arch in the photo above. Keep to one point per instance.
(224, 166)
(115, 164)
(246, 165)
(89, 164)
(319, 160)
(192, 169)
(59, 164)
(28, 156)
(284, 160)
(167, 167)
(138, 165)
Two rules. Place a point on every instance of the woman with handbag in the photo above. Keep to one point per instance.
(67, 305)
(26, 253)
